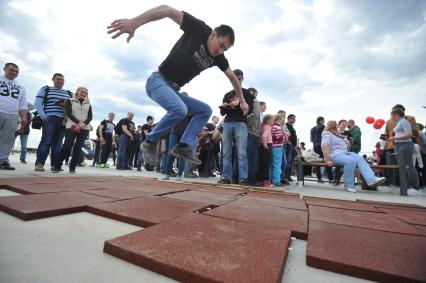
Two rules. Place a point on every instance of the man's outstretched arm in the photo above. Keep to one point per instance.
(129, 26)
(237, 87)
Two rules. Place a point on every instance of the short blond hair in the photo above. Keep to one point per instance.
(330, 126)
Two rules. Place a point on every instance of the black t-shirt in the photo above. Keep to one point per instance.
(190, 55)
(108, 127)
(236, 115)
(147, 128)
(129, 124)
(293, 138)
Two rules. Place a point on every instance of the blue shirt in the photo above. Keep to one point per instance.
(47, 105)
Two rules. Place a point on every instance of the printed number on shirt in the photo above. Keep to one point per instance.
(5, 91)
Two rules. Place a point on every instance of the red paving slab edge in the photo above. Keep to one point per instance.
(35, 206)
(146, 211)
(213, 198)
(291, 202)
(49, 188)
(400, 206)
(369, 254)
(412, 217)
(199, 248)
(342, 204)
(361, 219)
(267, 216)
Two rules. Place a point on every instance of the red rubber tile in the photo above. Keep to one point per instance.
(269, 216)
(49, 188)
(401, 206)
(343, 204)
(146, 211)
(205, 197)
(369, 254)
(412, 217)
(212, 189)
(124, 193)
(292, 202)
(35, 206)
(143, 184)
(421, 229)
(361, 219)
(199, 248)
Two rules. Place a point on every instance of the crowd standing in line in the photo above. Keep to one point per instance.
(247, 148)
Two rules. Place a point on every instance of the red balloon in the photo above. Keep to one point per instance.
(378, 125)
(380, 121)
(369, 120)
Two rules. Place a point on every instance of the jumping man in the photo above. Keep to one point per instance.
(198, 49)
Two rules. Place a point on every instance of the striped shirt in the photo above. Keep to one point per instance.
(277, 135)
(48, 104)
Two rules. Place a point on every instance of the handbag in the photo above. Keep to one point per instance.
(36, 122)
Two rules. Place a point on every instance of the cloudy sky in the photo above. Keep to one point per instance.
(340, 59)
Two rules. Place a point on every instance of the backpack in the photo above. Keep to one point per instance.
(118, 129)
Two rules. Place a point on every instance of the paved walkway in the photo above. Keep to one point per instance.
(68, 248)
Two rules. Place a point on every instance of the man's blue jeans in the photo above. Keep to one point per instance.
(253, 144)
(173, 140)
(284, 162)
(24, 140)
(51, 139)
(177, 105)
(350, 161)
(239, 131)
(122, 158)
(289, 157)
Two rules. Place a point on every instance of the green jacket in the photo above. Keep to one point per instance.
(356, 136)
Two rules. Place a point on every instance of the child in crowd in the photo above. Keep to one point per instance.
(266, 151)
(278, 140)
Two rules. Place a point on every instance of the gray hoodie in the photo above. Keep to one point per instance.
(253, 120)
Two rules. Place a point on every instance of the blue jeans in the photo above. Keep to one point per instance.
(51, 139)
(122, 158)
(173, 140)
(350, 161)
(253, 144)
(24, 140)
(277, 158)
(284, 162)
(289, 158)
(177, 105)
(239, 130)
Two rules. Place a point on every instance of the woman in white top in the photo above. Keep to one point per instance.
(404, 149)
(335, 147)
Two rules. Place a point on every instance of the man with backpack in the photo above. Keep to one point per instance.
(125, 129)
(105, 134)
(49, 104)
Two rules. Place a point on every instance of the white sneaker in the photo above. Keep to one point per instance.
(352, 190)
(412, 192)
(164, 178)
(377, 182)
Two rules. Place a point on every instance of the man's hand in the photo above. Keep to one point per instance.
(391, 139)
(122, 26)
(244, 106)
(329, 163)
(81, 124)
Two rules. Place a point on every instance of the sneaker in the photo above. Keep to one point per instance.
(191, 175)
(186, 154)
(102, 165)
(285, 182)
(149, 150)
(352, 190)
(6, 166)
(242, 182)
(23, 162)
(72, 169)
(224, 181)
(55, 169)
(412, 192)
(164, 178)
(377, 182)
(139, 169)
(39, 168)
(321, 181)
(173, 174)
(268, 184)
